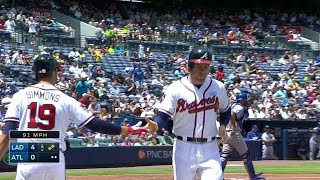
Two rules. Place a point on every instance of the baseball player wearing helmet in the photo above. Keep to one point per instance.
(314, 142)
(234, 129)
(43, 107)
(193, 102)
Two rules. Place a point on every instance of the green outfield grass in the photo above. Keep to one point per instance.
(307, 168)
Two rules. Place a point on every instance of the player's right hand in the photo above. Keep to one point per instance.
(223, 134)
(234, 129)
(151, 125)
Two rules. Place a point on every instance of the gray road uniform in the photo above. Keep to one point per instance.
(236, 141)
(314, 142)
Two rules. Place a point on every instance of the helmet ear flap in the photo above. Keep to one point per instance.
(190, 65)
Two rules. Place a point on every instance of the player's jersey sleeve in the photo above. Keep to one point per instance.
(168, 103)
(223, 97)
(79, 113)
(13, 112)
(238, 111)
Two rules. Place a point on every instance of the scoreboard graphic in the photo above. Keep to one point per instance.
(33, 152)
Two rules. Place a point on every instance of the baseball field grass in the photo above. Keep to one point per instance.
(306, 167)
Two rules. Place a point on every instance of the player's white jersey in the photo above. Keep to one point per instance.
(43, 107)
(195, 110)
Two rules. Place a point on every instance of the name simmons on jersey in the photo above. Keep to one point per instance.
(195, 107)
(45, 95)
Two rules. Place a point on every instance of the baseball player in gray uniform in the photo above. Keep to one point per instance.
(235, 140)
(314, 142)
(194, 103)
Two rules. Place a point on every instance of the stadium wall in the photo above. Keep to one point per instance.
(86, 30)
(310, 34)
(69, 21)
(104, 157)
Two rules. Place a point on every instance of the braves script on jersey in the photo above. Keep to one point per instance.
(194, 110)
(43, 107)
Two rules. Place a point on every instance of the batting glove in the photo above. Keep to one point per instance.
(136, 130)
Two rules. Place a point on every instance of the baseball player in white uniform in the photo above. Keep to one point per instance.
(43, 107)
(193, 103)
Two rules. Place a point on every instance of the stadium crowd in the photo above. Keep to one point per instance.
(136, 91)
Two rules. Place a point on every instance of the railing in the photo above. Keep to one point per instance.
(180, 42)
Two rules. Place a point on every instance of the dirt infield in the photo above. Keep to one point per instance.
(169, 177)
(228, 176)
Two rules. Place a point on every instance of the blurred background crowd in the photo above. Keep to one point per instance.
(289, 92)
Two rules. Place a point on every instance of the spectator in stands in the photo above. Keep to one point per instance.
(301, 113)
(137, 75)
(63, 84)
(82, 86)
(74, 55)
(126, 142)
(281, 96)
(131, 88)
(17, 57)
(10, 24)
(114, 89)
(253, 134)
(166, 139)
(293, 70)
(154, 142)
(119, 79)
(114, 141)
(95, 107)
(32, 25)
(296, 57)
(79, 134)
(284, 113)
(220, 74)
(138, 142)
(158, 81)
(92, 142)
(135, 108)
(147, 74)
(119, 51)
(275, 114)
(268, 140)
(45, 50)
(96, 55)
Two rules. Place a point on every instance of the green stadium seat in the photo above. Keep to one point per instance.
(74, 142)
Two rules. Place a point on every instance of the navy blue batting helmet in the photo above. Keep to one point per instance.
(199, 56)
(241, 96)
(45, 63)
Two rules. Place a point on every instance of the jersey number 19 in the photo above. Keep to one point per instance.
(46, 112)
